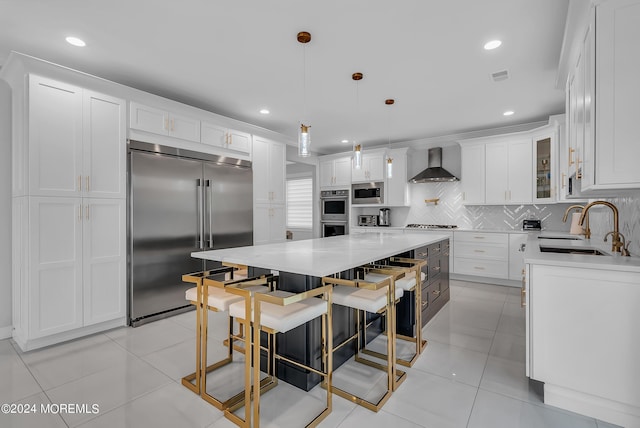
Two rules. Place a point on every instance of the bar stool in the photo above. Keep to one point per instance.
(220, 295)
(194, 296)
(376, 297)
(404, 272)
(278, 312)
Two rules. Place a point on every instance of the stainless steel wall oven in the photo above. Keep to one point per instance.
(334, 214)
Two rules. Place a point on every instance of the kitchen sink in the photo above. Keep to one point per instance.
(567, 237)
(588, 251)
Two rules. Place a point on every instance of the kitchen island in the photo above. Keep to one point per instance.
(582, 327)
(301, 265)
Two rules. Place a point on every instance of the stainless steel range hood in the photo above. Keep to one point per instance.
(434, 172)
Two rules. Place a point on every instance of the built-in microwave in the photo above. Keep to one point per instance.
(367, 193)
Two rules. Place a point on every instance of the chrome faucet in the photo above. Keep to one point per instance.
(616, 244)
(587, 231)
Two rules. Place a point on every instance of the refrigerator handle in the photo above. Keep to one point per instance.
(209, 207)
(200, 215)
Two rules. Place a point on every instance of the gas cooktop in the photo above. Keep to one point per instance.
(432, 226)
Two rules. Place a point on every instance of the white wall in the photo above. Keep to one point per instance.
(5, 210)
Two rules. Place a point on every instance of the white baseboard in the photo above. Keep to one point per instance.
(589, 405)
(5, 332)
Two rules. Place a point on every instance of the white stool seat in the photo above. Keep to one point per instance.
(218, 298)
(407, 283)
(283, 318)
(363, 298)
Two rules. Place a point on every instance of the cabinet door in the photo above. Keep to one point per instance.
(261, 189)
(516, 255)
(55, 138)
(277, 172)
(496, 173)
(55, 283)
(277, 223)
(239, 141)
(261, 223)
(326, 173)
(149, 119)
(520, 172)
(617, 90)
(104, 259)
(105, 162)
(375, 167)
(342, 172)
(359, 175)
(473, 179)
(213, 135)
(184, 128)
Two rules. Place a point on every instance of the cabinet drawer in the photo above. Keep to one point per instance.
(481, 250)
(479, 267)
(493, 238)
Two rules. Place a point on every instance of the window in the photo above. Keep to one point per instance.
(300, 203)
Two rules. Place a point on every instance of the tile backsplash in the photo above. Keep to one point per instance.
(450, 210)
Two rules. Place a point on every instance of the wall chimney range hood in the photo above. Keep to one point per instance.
(434, 172)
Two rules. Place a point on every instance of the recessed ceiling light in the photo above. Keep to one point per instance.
(492, 44)
(344, 141)
(75, 41)
(508, 113)
(264, 111)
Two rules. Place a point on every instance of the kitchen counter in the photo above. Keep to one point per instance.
(611, 261)
(323, 256)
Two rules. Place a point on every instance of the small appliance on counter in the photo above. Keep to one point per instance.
(530, 224)
(384, 219)
(367, 220)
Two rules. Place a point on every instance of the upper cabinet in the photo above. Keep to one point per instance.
(335, 172)
(76, 144)
(219, 136)
(473, 173)
(373, 167)
(161, 122)
(602, 107)
(268, 171)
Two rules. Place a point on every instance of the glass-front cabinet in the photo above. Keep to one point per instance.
(545, 166)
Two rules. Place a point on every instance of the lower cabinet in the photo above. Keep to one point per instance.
(482, 254)
(435, 287)
(269, 223)
(70, 267)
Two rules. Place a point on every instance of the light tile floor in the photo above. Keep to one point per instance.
(470, 375)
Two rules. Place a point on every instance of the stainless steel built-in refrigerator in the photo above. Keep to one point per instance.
(179, 202)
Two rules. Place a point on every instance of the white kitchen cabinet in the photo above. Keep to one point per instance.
(508, 172)
(219, 136)
(569, 308)
(602, 93)
(373, 167)
(77, 258)
(516, 255)
(162, 122)
(76, 141)
(335, 173)
(483, 254)
(473, 173)
(269, 215)
(268, 171)
(397, 189)
(269, 224)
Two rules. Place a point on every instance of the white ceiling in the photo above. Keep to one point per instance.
(235, 57)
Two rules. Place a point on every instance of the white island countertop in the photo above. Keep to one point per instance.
(322, 256)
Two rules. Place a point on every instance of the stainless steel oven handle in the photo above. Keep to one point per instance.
(200, 214)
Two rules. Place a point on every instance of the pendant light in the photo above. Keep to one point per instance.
(304, 137)
(389, 102)
(357, 149)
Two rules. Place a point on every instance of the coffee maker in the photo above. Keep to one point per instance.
(384, 218)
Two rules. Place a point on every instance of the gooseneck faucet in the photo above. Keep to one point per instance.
(587, 231)
(616, 244)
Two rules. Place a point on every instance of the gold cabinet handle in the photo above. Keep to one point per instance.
(571, 150)
(479, 251)
(79, 183)
(166, 124)
(230, 139)
(172, 125)
(436, 268)
(87, 183)
(563, 177)
(425, 303)
(436, 292)
(478, 267)
(422, 254)
(478, 237)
